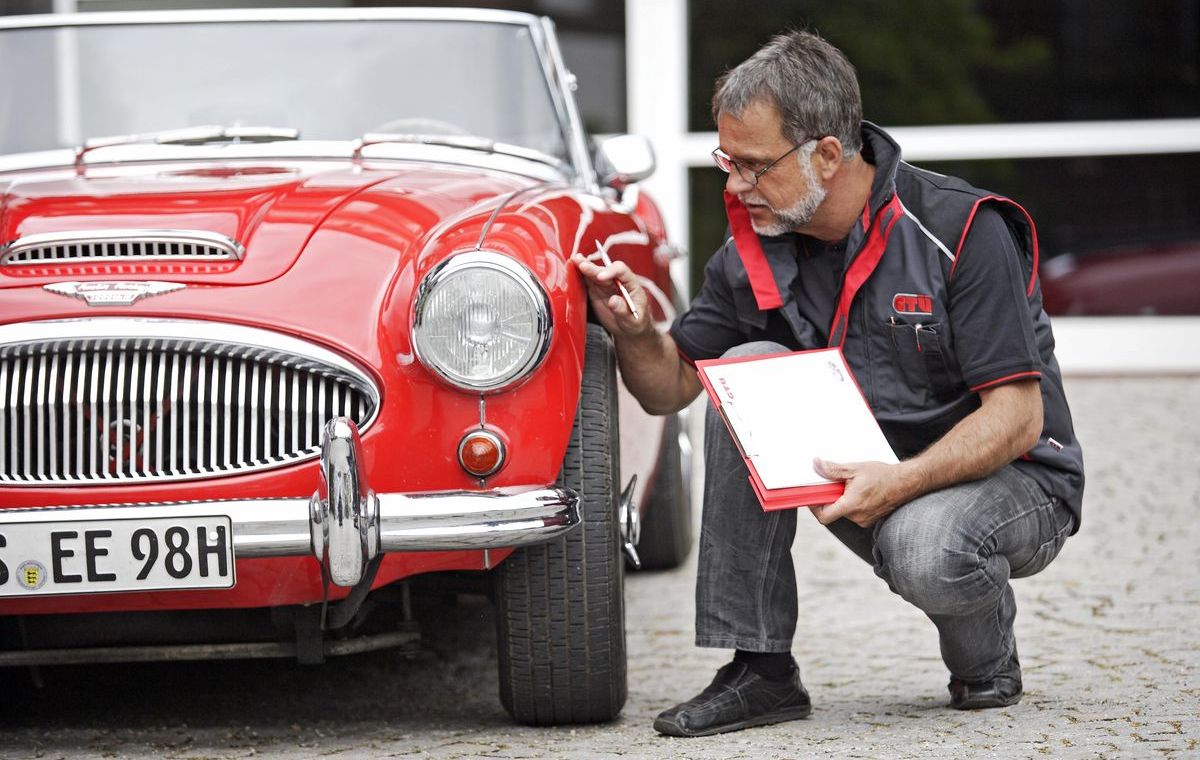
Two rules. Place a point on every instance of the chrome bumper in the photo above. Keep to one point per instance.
(345, 524)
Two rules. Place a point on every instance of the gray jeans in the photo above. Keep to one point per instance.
(950, 553)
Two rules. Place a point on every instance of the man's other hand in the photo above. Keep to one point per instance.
(873, 491)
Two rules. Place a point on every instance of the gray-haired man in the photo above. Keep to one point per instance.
(929, 286)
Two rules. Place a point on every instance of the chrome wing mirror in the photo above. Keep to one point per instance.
(624, 160)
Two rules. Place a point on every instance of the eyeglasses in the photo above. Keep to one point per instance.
(726, 164)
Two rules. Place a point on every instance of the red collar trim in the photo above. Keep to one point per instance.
(749, 249)
(863, 265)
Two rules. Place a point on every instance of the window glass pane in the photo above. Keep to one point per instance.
(960, 62)
(1118, 234)
(597, 59)
(708, 222)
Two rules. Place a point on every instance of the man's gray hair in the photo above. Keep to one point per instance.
(810, 82)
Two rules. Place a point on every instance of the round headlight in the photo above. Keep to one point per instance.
(481, 321)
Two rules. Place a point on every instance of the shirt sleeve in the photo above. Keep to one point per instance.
(709, 327)
(989, 309)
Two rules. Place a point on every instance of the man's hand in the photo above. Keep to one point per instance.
(873, 491)
(1006, 425)
(650, 364)
(607, 300)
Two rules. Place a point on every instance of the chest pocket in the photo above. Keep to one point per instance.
(921, 357)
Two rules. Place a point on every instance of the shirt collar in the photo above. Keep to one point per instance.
(885, 154)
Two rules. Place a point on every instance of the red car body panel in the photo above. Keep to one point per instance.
(333, 255)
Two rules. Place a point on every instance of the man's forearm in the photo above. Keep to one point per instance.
(654, 372)
(1004, 427)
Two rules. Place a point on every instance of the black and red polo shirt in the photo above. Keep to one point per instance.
(932, 297)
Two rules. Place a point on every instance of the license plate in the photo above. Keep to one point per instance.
(101, 556)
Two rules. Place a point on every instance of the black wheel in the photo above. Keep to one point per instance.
(667, 522)
(561, 605)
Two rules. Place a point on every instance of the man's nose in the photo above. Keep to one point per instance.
(736, 184)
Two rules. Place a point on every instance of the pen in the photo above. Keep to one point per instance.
(603, 255)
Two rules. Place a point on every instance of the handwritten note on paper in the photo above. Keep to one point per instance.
(788, 409)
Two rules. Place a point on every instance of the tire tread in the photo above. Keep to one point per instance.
(560, 605)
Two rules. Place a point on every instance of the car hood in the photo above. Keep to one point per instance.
(272, 210)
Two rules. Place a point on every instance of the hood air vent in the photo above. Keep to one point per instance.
(103, 246)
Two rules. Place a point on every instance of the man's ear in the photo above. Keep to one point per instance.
(827, 158)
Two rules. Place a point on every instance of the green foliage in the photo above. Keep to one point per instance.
(920, 61)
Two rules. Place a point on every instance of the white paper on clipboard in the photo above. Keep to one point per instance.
(789, 408)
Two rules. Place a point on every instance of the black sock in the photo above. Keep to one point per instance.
(773, 666)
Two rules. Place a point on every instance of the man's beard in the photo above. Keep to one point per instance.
(801, 213)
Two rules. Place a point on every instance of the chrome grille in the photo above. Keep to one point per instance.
(120, 246)
(95, 410)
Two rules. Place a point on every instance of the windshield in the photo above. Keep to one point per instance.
(331, 80)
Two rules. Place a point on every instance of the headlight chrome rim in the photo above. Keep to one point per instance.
(517, 273)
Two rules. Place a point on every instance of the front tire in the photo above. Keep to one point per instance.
(561, 605)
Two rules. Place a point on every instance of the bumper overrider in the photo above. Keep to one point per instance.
(345, 524)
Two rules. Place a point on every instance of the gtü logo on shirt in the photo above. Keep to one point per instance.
(912, 303)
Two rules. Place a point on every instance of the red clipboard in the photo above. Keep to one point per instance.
(807, 495)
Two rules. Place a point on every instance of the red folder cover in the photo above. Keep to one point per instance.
(808, 399)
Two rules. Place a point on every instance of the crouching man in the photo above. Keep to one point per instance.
(930, 288)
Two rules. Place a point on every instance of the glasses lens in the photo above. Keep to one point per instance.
(722, 161)
(727, 165)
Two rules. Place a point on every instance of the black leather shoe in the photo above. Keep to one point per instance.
(737, 698)
(1001, 691)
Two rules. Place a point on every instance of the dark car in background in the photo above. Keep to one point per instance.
(1160, 279)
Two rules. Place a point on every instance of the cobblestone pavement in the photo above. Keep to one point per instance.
(1108, 644)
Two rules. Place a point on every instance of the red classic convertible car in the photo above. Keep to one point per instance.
(280, 337)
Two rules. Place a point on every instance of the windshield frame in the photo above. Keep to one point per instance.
(559, 81)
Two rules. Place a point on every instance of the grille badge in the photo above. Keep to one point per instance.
(112, 293)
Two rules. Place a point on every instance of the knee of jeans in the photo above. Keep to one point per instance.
(755, 348)
(937, 579)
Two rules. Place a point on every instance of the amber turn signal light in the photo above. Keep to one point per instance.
(481, 453)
